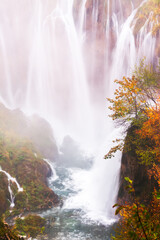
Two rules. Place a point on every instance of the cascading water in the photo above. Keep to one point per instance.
(13, 180)
(54, 175)
(59, 59)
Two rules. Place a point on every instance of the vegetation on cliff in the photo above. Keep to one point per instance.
(20, 158)
(149, 15)
(7, 233)
(137, 107)
(30, 226)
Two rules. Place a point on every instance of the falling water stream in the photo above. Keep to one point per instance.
(59, 59)
(11, 180)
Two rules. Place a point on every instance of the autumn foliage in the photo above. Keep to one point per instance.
(139, 220)
(133, 96)
(129, 100)
(151, 130)
(149, 14)
(137, 106)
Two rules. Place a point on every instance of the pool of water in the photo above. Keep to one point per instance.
(67, 223)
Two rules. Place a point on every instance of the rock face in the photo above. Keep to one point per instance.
(20, 158)
(34, 129)
(137, 172)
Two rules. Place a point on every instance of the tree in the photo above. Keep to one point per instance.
(137, 106)
(139, 221)
(149, 133)
(129, 101)
(133, 97)
(136, 94)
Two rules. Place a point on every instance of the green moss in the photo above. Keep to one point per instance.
(30, 172)
(7, 233)
(21, 199)
(31, 226)
(17, 157)
(4, 194)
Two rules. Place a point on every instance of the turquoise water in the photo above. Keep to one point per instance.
(71, 224)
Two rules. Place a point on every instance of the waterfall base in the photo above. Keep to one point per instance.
(71, 223)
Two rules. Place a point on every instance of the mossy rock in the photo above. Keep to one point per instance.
(7, 233)
(4, 194)
(32, 225)
(133, 168)
(20, 158)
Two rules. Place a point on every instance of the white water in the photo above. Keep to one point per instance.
(64, 73)
(11, 180)
(53, 172)
(96, 196)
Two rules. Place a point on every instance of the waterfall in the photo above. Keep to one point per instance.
(11, 180)
(53, 176)
(59, 59)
